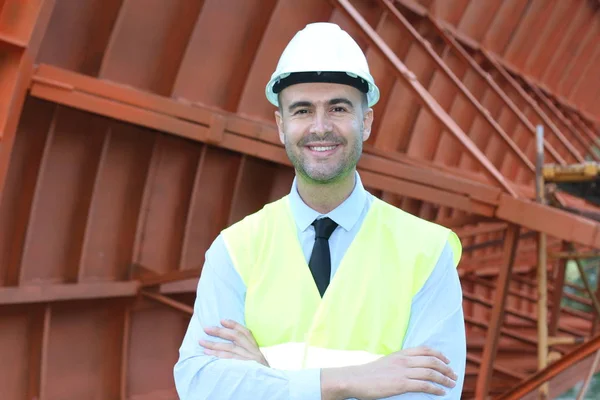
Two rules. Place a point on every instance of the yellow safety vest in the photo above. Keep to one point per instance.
(364, 313)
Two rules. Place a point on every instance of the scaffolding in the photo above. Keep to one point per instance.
(547, 338)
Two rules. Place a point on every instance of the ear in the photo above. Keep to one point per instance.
(367, 123)
(279, 121)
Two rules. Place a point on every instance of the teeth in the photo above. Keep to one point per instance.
(323, 148)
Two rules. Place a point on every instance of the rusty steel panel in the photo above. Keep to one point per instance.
(132, 133)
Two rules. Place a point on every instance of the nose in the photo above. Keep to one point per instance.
(321, 123)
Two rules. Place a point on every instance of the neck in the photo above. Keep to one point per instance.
(324, 198)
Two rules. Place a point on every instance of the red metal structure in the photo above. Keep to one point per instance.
(132, 132)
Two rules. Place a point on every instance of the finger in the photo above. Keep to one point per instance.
(225, 355)
(430, 375)
(226, 347)
(432, 363)
(419, 386)
(224, 333)
(234, 336)
(228, 323)
(426, 351)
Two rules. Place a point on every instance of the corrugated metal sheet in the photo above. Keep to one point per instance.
(132, 132)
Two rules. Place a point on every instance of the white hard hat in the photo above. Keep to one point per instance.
(322, 52)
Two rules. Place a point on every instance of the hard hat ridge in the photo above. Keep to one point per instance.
(322, 52)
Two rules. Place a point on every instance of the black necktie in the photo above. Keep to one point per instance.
(320, 259)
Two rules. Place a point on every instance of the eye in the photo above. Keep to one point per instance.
(300, 111)
(339, 109)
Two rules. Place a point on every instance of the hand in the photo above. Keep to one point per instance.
(242, 345)
(409, 370)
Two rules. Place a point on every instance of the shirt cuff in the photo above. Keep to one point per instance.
(305, 384)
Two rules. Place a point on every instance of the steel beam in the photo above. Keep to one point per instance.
(570, 255)
(496, 128)
(67, 291)
(552, 370)
(172, 276)
(531, 102)
(553, 109)
(588, 378)
(160, 298)
(515, 313)
(458, 49)
(497, 318)
(409, 79)
(22, 38)
(258, 139)
(506, 371)
(513, 334)
(588, 287)
(240, 134)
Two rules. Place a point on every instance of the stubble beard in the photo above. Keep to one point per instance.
(323, 174)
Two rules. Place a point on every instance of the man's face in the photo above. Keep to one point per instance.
(323, 126)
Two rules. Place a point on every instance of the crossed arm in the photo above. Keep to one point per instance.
(220, 359)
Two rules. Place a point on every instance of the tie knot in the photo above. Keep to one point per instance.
(324, 227)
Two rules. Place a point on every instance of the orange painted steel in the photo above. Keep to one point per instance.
(131, 134)
(570, 359)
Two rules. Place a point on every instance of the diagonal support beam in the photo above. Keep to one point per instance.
(558, 114)
(588, 378)
(492, 61)
(459, 50)
(167, 301)
(445, 70)
(552, 370)
(484, 379)
(503, 370)
(409, 79)
(586, 283)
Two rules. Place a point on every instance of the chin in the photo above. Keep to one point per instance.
(323, 177)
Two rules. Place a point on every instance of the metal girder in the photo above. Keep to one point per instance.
(496, 128)
(506, 371)
(552, 370)
(72, 291)
(531, 102)
(511, 311)
(245, 136)
(513, 334)
(457, 47)
(259, 139)
(24, 38)
(588, 378)
(588, 286)
(497, 318)
(574, 254)
(172, 276)
(474, 45)
(422, 94)
(160, 298)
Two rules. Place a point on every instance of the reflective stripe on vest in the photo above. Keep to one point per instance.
(294, 356)
(366, 308)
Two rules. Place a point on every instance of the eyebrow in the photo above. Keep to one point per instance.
(297, 104)
(341, 100)
(304, 103)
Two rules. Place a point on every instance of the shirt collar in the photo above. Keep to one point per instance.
(345, 215)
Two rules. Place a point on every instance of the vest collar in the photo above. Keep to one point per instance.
(345, 215)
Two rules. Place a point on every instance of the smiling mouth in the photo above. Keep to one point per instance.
(322, 148)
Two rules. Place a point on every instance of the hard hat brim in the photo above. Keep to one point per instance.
(278, 83)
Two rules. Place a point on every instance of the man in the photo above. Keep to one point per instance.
(327, 293)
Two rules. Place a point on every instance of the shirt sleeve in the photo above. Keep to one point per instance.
(221, 295)
(437, 321)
